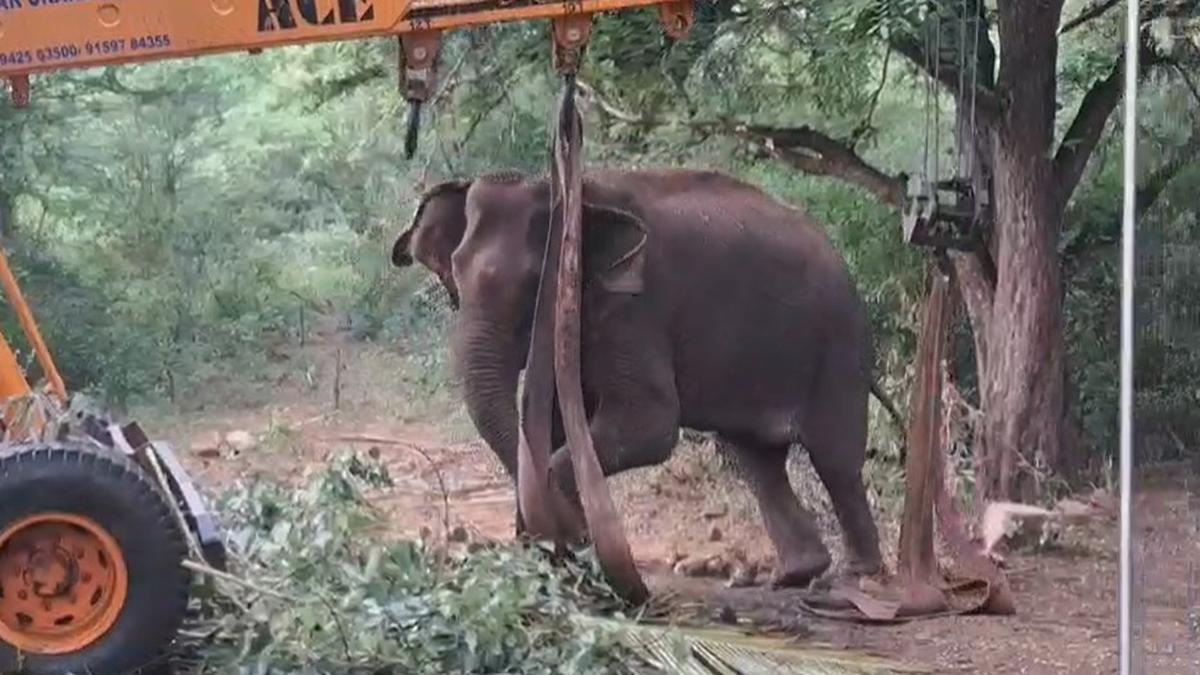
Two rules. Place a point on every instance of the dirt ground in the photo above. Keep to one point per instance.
(687, 510)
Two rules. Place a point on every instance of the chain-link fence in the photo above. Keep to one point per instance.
(1165, 592)
(1167, 365)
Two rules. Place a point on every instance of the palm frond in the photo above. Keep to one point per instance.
(714, 651)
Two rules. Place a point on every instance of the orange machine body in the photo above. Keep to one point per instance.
(13, 383)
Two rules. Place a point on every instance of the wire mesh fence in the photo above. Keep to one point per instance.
(1165, 588)
(1167, 295)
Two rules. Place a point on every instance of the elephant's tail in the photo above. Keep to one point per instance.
(888, 405)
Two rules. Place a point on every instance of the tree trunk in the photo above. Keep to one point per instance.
(1022, 392)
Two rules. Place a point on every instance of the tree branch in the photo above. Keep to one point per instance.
(1151, 9)
(1187, 80)
(818, 154)
(609, 108)
(866, 127)
(802, 148)
(1148, 192)
(1084, 133)
(1093, 11)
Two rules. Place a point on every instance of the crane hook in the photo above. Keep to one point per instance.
(418, 71)
(414, 128)
(20, 90)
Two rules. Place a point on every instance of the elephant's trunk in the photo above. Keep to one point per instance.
(486, 360)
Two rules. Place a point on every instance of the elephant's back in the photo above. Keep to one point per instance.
(728, 216)
(755, 293)
(716, 232)
(725, 249)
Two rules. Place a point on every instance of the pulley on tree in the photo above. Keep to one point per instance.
(949, 213)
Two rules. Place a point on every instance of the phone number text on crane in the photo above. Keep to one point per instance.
(18, 4)
(71, 52)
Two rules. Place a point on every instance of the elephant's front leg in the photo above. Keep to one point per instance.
(627, 434)
(557, 440)
(629, 391)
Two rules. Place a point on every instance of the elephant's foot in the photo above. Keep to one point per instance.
(860, 566)
(574, 523)
(800, 571)
(847, 576)
(569, 521)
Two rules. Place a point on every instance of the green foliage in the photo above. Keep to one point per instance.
(325, 590)
(199, 207)
(421, 323)
(87, 342)
(1166, 409)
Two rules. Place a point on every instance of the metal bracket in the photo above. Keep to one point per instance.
(677, 18)
(198, 517)
(19, 86)
(132, 440)
(419, 53)
(571, 35)
(120, 441)
(945, 214)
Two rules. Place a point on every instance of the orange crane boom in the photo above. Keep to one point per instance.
(44, 35)
(39, 36)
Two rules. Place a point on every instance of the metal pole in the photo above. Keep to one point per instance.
(1124, 619)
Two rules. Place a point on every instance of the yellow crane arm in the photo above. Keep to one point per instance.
(44, 35)
(38, 36)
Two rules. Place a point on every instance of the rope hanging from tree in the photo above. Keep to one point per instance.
(948, 213)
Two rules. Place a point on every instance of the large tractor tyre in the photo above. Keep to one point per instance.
(91, 579)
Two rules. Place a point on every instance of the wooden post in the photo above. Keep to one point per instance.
(337, 381)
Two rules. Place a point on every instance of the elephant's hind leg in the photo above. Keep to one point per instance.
(791, 527)
(835, 436)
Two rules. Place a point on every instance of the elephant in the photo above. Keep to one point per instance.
(706, 305)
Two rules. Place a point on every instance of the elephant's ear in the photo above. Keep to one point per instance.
(439, 235)
(400, 255)
(614, 248)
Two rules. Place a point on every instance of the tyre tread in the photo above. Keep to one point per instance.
(19, 460)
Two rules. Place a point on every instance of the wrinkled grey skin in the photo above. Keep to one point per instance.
(707, 305)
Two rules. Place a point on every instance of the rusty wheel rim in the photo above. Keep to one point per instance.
(63, 583)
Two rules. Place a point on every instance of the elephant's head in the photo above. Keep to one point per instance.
(485, 240)
(435, 230)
